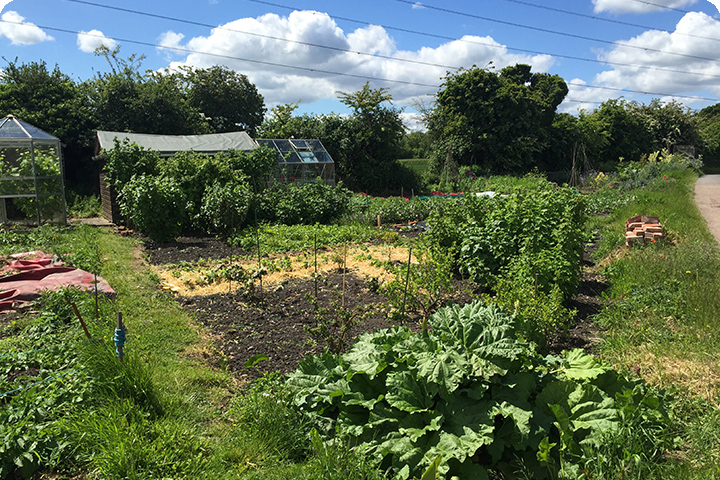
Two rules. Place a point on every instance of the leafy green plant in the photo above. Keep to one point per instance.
(334, 323)
(156, 205)
(225, 207)
(468, 390)
(125, 160)
(429, 282)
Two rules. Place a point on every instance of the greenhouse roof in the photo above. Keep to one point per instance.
(12, 128)
(170, 144)
(298, 150)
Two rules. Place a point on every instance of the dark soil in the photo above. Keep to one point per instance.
(274, 322)
(189, 249)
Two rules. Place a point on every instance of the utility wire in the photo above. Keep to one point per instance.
(663, 7)
(230, 57)
(329, 72)
(255, 34)
(494, 45)
(610, 20)
(555, 32)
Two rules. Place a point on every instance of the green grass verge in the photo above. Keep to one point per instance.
(165, 412)
(662, 317)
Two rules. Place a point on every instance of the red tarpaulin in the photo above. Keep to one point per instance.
(39, 272)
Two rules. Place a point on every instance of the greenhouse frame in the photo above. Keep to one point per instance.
(301, 161)
(31, 174)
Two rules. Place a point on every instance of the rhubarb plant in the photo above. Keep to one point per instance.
(470, 392)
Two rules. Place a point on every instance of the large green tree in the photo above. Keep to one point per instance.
(499, 121)
(128, 100)
(228, 100)
(709, 130)
(370, 144)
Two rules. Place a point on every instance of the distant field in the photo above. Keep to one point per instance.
(420, 165)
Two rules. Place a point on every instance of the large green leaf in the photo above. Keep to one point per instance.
(445, 369)
(408, 394)
(581, 366)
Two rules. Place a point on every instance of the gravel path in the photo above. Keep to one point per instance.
(707, 198)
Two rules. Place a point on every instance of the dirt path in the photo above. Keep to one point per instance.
(707, 198)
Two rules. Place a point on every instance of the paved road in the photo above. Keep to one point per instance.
(707, 198)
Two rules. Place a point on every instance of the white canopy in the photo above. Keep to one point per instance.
(168, 145)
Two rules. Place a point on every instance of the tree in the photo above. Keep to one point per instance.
(370, 140)
(282, 124)
(709, 130)
(53, 102)
(625, 131)
(228, 99)
(670, 124)
(500, 122)
(127, 100)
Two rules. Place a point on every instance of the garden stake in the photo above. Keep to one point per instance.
(119, 337)
(82, 322)
(316, 274)
(344, 269)
(257, 237)
(407, 281)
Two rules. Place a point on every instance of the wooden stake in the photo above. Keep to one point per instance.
(344, 270)
(82, 322)
(316, 272)
(407, 280)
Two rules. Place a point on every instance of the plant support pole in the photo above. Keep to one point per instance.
(316, 272)
(82, 322)
(407, 280)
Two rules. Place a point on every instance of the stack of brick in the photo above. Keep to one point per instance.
(642, 229)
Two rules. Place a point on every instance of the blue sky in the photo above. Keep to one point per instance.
(307, 50)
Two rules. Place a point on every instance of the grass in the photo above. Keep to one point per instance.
(418, 165)
(164, 412)
(662, 319)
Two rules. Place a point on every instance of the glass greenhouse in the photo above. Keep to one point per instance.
(301, 161)
(31, 174)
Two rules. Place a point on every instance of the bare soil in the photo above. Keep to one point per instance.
(274, 321)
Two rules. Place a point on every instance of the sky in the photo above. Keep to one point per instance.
(307, 51)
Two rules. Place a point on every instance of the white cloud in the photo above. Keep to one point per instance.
(20, 32)
(689, 51)
(666, 65)
(89, 41)
(268, 61)
(169, 43)
(637, 6)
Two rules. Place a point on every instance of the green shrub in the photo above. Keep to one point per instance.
(155, 205)
(126, 159)
(225, 207)
(470, 392)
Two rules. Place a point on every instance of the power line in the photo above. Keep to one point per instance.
(329, 72)
(555, 32)
(493, 45)
(230, 57)
(255, 34)
(610, 20)
(663, 7)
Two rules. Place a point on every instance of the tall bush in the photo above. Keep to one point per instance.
(155, 205)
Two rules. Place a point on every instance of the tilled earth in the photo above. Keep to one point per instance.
(274, 321)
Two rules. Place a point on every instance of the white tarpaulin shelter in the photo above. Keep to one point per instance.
(169, 145)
